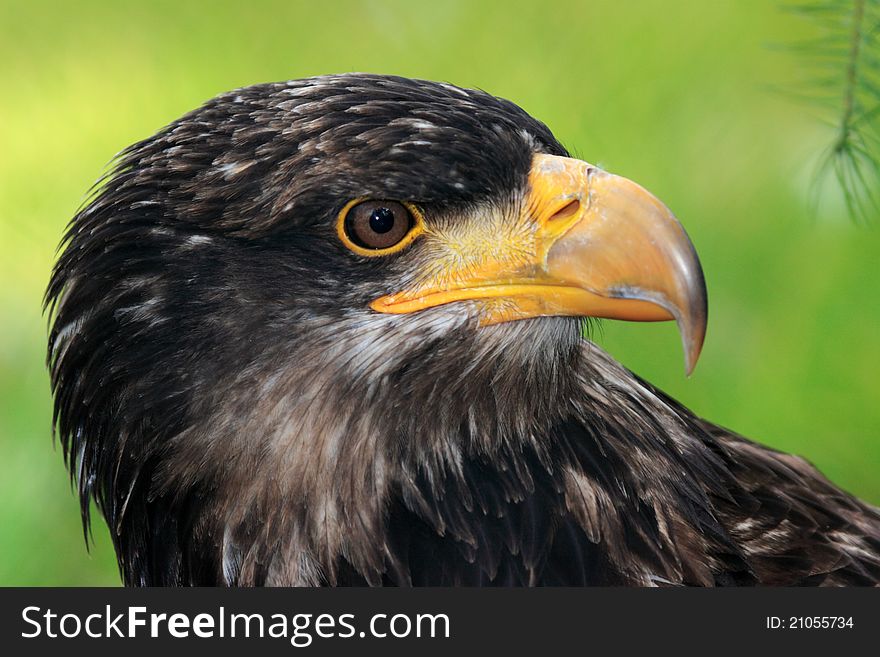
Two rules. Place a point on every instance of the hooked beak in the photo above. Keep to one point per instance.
(599, 246)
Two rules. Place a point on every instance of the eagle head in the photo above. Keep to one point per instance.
(306, 311)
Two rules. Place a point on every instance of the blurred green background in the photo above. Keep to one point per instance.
(672, 94)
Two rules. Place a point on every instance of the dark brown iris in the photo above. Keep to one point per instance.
(378, 224)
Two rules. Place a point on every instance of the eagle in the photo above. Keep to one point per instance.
(334, 331)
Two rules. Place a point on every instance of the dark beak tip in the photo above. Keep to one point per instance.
(693, 334)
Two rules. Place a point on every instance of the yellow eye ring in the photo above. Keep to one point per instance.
(359, 208)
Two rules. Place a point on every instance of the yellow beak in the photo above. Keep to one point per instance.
(598, 246)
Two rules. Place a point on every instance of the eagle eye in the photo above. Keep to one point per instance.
(378, 227)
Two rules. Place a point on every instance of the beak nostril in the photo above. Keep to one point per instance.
(565, 211)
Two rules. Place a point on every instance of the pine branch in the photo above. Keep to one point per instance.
(847, 57)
